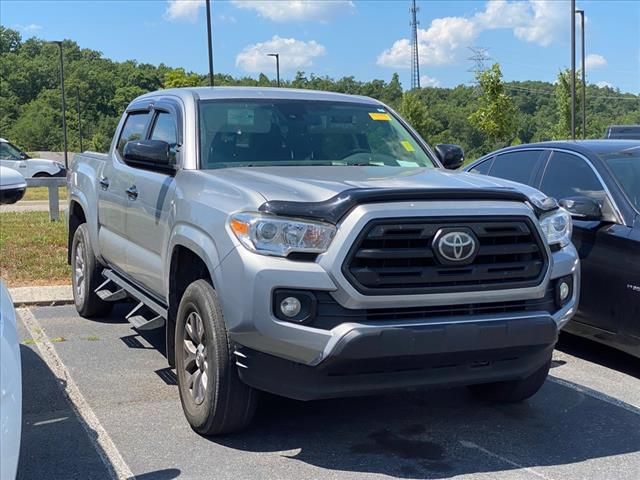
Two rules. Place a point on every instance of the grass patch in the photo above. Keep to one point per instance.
(33, 249)
(42, 193)
(92, 338)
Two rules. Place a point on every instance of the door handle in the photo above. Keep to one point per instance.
(104, 183)
(132, 192)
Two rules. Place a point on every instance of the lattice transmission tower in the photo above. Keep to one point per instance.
(415, 60)
(479, 58)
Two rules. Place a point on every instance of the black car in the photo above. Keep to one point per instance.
(625, 132)
(598, 181)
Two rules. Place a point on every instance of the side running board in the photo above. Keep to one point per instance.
(117, 288)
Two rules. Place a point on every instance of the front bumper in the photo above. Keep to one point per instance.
(376, 361)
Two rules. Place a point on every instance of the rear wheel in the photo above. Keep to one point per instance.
(214, 399)
(42, 175)
(514, 390)
(85, 276)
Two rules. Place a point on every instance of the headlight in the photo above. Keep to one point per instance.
(59, 165)
(557, 227)
(279, 236)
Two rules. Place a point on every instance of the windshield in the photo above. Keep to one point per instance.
(9, 152)
(626, 168)
(302, 132)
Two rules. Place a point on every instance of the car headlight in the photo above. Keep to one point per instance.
(59, 165)
(279, 236)
(557, 227)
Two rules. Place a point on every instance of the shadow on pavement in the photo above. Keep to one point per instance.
(595, 352)
(54, 442)
(441, 433)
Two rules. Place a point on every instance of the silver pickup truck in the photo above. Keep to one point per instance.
(312, 245)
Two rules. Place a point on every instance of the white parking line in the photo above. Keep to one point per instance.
(530, 470)
(595, 394)
(99, 437)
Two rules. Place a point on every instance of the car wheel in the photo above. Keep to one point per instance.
(214, 399)
(85, 276)
(514, 390)
(42, 175)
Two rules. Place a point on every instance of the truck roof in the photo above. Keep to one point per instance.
(212, 93)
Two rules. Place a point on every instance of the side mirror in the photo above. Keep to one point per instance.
(582, 208)
(451, 156)
(152, 154)
(24, 156)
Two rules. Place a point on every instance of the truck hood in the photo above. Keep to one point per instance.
(315, 184)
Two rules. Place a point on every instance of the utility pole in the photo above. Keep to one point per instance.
(415, 58)
(79, 118)
(584, 77)
(209, 42)
(64, 105)
(573, 69)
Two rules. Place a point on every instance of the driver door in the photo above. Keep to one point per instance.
(10, 160)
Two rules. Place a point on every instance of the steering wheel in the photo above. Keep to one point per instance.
(354, 152)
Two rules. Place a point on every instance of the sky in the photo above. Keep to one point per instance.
(366, 39)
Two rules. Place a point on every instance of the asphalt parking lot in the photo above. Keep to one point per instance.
(99, 401)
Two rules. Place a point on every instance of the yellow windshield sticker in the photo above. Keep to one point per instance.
(379, 116)
(407, 146)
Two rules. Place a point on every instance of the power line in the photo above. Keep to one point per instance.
(415, 59)
(550, 92)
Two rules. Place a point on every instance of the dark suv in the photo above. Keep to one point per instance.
(598, 181)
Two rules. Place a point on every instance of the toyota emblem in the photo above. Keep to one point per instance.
(455, 246)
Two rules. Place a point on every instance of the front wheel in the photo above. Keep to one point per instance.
(214, 399)
(512, 391)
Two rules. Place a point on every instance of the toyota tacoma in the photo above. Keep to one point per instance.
(311, 245)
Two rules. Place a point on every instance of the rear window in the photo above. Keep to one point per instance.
(301, 132)
(135, 127)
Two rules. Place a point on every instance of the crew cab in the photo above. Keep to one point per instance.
(311, 245)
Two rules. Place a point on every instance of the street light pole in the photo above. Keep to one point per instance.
(64, 105)
(209, 43)
(79, 118)
(277, 56)
(573, 69)
(584, 77)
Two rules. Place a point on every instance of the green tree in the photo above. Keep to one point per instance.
(496, 115)
(414, 111)
(179, 78)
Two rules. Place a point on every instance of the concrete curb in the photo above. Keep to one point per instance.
(41, 296)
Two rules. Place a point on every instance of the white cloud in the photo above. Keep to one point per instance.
(227, 19)
(536, 21)
(294, 54)
(32, 27)
(427, 81)
(187, 10)
(604, 84)
(594, 60)
(297, 10)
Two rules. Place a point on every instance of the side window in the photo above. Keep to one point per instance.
(484, 167)
(165, 129)
(5, 153)
(134, 128)
(519, 166)
(568, 175)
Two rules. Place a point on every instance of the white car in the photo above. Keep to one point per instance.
(12, 186)
(10, 386)
(14, 158)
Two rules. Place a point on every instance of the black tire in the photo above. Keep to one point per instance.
(226, 404)
(88, 304)
(42, 175)
(512, 391)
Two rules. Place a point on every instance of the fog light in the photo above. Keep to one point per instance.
(290, 307)
(564, 291)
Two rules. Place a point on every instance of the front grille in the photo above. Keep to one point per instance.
(393, 257)
(330, 313)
